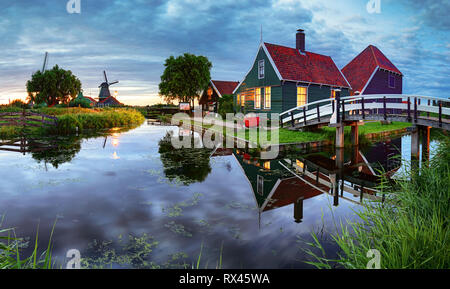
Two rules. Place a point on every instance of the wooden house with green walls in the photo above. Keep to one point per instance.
(282, 78)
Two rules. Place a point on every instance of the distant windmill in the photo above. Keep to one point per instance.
(44, 66)
(104, 91)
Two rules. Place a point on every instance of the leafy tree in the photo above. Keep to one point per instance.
(188, 165)
(18, 103)
(226, 105)
(82, 102)
(185, 77)
(53, 86)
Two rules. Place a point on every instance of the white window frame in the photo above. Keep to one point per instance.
(255, 98)
(261, 67)
(306, 96)
(268, 88)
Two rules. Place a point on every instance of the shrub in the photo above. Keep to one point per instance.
(86, 119)
(77, 102)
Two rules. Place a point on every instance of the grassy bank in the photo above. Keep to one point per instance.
(96, 120)
(326, 133)
(411, 230)
(72, 120)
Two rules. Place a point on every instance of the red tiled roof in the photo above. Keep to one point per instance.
(360, 69)
(311, 67)
(110, 97)
(290, 190)
(225, 87)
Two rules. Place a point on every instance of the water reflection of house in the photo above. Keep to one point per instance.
(216, 89)
(275, 187)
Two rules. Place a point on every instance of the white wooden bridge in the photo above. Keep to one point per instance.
(423, 112)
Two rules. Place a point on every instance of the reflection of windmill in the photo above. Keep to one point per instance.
(104, 91)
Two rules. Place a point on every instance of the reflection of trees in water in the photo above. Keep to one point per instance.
(62, 150)
(189, 165)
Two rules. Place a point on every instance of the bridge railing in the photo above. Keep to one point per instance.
(411, 106)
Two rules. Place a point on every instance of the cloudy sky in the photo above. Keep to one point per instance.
(130, 39)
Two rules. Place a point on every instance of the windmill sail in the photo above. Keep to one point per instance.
(104, 88)
(44, 66)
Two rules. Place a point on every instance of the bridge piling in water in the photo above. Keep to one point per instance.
(340, 135)
(415, 143)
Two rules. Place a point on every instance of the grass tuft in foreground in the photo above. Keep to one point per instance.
(10, 255)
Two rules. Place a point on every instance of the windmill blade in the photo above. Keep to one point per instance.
(104, 73)
(114, 82)
(44, 66)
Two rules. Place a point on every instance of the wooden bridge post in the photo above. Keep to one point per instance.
(440, 113)
(338, 106)
(355, 135)
(292, 118)
(425, 132)
(415, 144)
(415, 109)
(362, 108)
(340, 135)
(304, 114)
(298, 210)
(409, 109)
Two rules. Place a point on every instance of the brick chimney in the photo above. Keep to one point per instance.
(300, 41)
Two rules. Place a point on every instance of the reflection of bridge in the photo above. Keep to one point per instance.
(421, 111)
(24, 145)
(296, 178)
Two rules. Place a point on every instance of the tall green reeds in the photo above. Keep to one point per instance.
(107, 118)
(410, 229)
(10, 255)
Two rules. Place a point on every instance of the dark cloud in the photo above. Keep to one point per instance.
(131, 39)
(434, 13)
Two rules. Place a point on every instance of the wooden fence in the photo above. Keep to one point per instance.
(26, 118)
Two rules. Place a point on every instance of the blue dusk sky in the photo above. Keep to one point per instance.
(130, 39)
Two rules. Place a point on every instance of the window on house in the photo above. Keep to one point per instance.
(267, 97)
(267, 165)
(333, 93)
(260, 185)
(238, 99)
(261, 69)
(391, 80)
(302, 93)
(243, 99)
(258, 98)
(210, 93)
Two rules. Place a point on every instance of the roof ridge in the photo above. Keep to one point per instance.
(373, 54)
(306, 51)
(223, 80)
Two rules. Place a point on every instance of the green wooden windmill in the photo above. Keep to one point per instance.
(104, 88)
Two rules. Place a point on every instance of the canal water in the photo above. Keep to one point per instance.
(130, 200)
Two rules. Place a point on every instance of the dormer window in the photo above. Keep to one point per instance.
(261, 69)
(391, 80)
